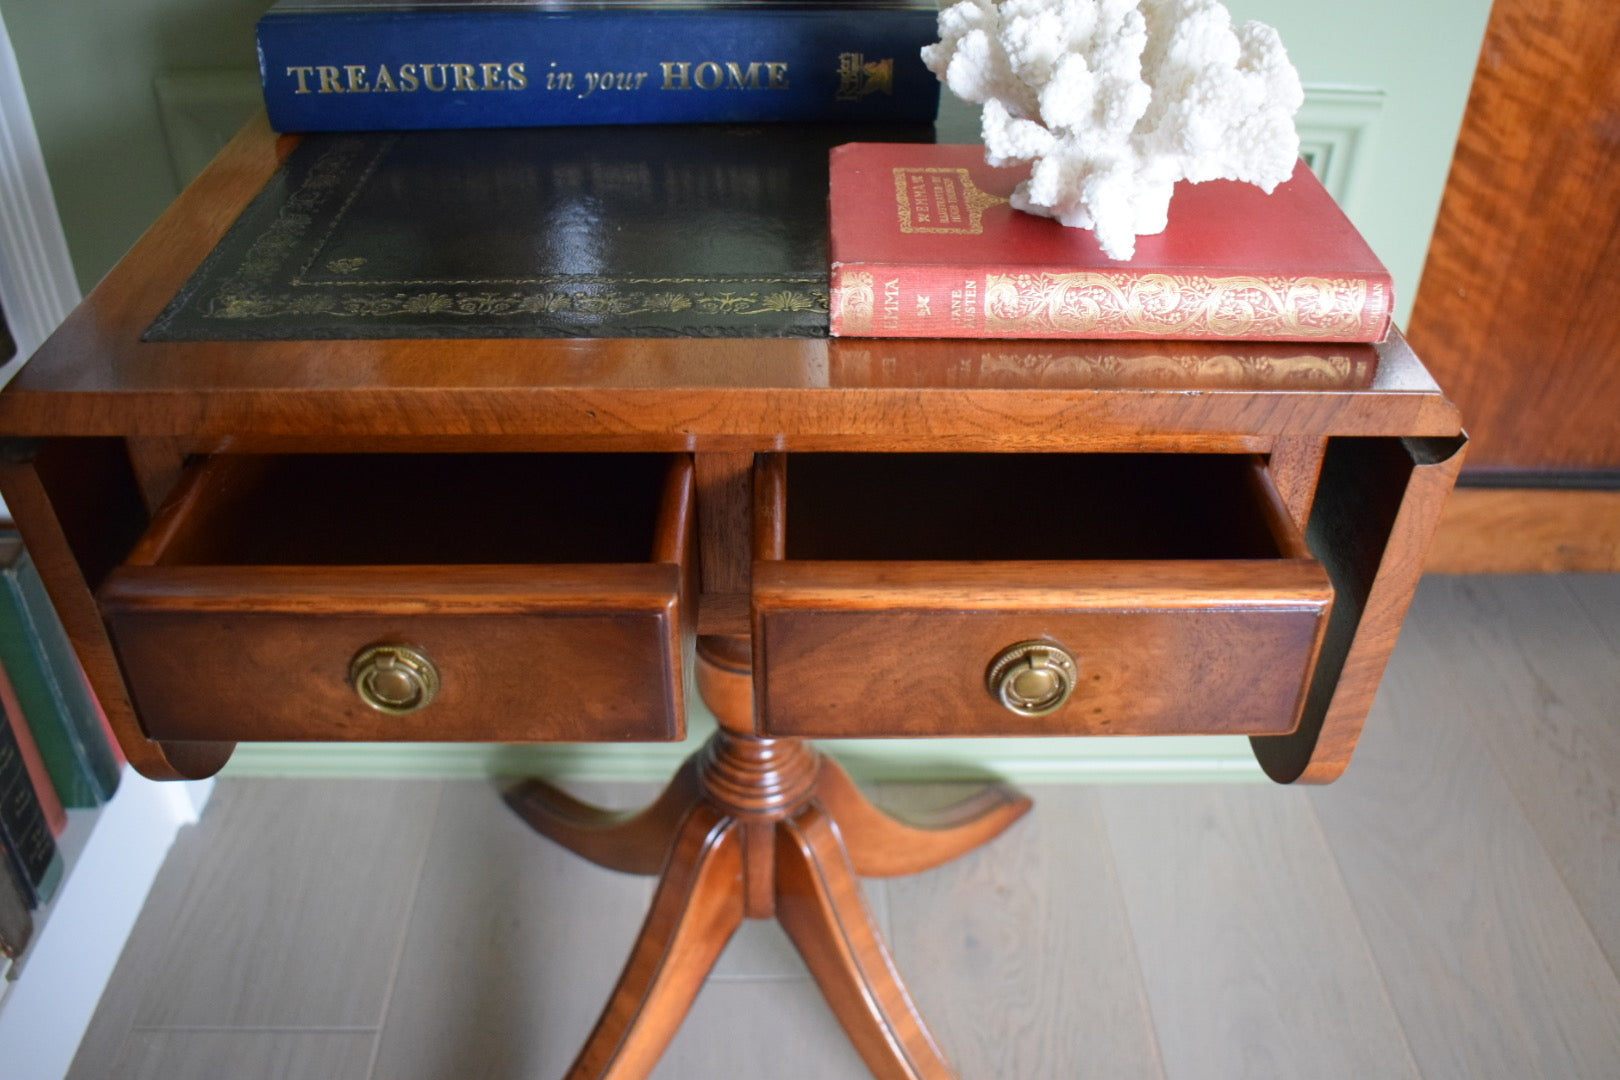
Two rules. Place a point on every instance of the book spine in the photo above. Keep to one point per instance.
(28, 840)
(16, 912)
(56, 701)
(38, 774)
(885, 300)
(503, 67)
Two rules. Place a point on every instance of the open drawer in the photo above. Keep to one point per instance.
(1030, 594)
(456, 597)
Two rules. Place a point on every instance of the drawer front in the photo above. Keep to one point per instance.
(523, 653)
(905, 649)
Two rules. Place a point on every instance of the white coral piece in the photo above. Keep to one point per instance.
(1116, 100)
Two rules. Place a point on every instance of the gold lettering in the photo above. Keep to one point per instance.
(676, 75)
(716, 75)
(454, 76)
(891, 304)
(612, 80)
(737, 79)
(919, 200)
(951, 196)
(965, 303)
(559, 80)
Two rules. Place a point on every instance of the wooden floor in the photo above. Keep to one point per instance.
(1451, 908)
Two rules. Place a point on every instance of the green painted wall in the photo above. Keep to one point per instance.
(88, 68)
(1421, 55)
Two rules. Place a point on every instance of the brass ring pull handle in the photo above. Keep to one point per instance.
(394, 679)
(1032, 678)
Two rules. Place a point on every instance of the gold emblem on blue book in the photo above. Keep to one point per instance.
(858, 76)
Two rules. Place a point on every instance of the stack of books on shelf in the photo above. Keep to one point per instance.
(55, 750)
(360, 65)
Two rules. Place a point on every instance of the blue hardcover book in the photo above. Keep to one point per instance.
(352, 65)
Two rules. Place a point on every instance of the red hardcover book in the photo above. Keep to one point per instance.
(925, 244)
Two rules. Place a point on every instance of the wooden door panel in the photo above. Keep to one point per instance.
(1515, 314)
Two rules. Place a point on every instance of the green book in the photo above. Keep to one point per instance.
(55, 698)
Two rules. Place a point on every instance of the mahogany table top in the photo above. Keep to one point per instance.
(97, 377)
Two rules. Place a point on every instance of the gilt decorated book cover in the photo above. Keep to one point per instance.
(360, 65)
(924, 243)
(651, 231)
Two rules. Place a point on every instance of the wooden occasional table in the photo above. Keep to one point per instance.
(551, 539)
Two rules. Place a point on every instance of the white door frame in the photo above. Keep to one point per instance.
(37, 284)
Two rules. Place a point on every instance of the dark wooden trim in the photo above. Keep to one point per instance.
(1371, 525)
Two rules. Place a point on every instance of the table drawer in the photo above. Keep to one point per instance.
(455, 597)
(910, 595)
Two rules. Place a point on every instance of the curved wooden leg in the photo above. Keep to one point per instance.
(696, 909)
(820, 905)
(881, 845)
(633, 841)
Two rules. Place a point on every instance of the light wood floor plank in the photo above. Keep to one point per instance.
(1019, 954)
(1252, 957)
(126, 989)
(1543, 689)
(1489, 963)
(244, 1055)
(513, 946)
(289, 912)
(761, 1029)
(308, 885)
(1599, 596)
